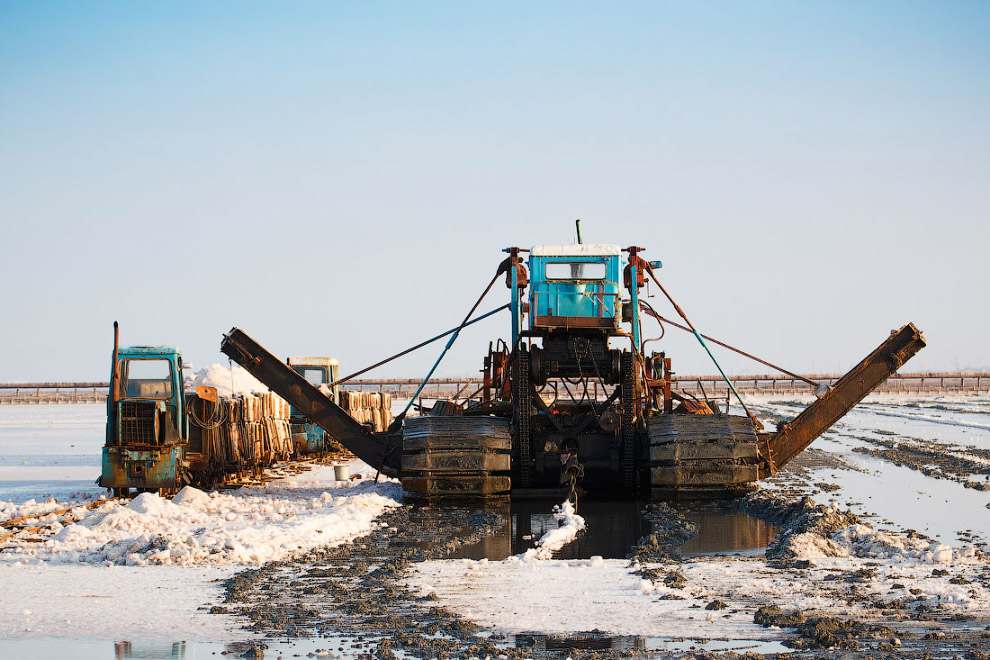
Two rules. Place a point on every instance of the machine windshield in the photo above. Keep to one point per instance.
(575, 270)
(315, 375)
(146, 378)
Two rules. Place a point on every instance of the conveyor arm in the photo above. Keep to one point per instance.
(295, 389)
(792, 438)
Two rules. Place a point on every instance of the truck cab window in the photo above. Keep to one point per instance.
(147, 379)
(575, 270)
(315, 375)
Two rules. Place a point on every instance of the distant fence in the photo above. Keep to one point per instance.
(896, 384)
(442, 388)
(31, 393)
(713, 386)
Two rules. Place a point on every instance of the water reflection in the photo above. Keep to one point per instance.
(127, 650)
(615, 527)
(559, 645)
(723, 530)
(546, 647)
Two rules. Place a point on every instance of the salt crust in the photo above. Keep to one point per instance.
(246, 526)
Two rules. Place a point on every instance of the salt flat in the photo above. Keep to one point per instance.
(140, 570)
(155, 555)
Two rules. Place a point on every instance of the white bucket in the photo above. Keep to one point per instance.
(341, 472)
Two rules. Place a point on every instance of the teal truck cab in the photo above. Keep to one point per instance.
(146, 423)
(308, 437)
(575, 286)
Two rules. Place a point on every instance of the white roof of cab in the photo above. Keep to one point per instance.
(312, 362)
(576, 250)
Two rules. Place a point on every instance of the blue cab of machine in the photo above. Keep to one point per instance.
(575, 286)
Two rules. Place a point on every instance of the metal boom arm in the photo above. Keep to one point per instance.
(298, 391)
(792, 438)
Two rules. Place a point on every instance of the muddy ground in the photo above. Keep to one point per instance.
(967, 466)
(354, 596)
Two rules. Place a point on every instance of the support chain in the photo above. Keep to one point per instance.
(582, 349)
(572, 474)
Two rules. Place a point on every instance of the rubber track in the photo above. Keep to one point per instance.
(524, 406)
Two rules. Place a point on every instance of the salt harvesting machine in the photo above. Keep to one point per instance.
(576, 399)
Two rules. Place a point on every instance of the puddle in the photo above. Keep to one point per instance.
(725, 531)
(896, 497)
(615, 527)
(560, 646)
(48, 648)
(52, 649)
(538, 645)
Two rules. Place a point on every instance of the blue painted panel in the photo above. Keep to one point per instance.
(574, 298)
(314, 438)
(145, 468)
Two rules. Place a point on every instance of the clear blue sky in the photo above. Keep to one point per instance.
(339, 178)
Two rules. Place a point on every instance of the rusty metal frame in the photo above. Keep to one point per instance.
(792, 438)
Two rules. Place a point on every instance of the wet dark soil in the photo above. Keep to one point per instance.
(795, 517)
(969, 466)
(670, 530)
(824, 632)
(354, 594)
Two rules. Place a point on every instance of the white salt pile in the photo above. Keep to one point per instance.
(246, 526)
(218, 376)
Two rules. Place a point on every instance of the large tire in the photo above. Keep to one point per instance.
(456, 456)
